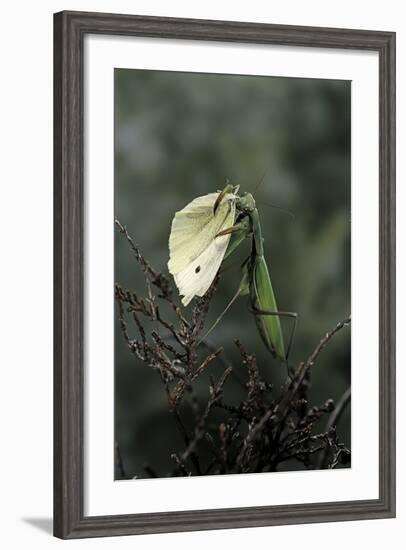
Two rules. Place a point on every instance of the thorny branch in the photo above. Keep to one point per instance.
(259, 434)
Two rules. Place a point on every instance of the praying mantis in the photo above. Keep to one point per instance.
(203, 235)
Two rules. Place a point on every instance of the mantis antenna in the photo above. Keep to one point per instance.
(284, 210)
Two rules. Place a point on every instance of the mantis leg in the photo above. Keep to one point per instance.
(227, 189)
(239, 232)
(290, 314)
(233, 229)
(242, 289)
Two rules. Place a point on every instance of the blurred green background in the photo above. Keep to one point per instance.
(181, 135)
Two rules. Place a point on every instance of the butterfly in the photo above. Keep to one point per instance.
(195, 249)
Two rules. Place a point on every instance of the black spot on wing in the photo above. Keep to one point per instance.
(197, 269)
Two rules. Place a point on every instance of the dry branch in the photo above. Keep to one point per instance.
(260, 433)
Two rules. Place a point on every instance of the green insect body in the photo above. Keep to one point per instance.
(256, 281)
(262, 296)
(263, 300)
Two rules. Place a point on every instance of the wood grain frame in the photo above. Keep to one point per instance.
(69, 31)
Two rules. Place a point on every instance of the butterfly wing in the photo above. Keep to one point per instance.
(195, 254)
(191, 232)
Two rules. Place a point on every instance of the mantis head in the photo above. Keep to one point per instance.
(246, 203)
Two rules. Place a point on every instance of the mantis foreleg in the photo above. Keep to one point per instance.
(239, 232)
(227, 189)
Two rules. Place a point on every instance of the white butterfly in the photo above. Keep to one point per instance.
(195, 254)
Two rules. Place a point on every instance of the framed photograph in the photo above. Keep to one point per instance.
(224, 274)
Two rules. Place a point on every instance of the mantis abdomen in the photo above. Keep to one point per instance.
(264, 304)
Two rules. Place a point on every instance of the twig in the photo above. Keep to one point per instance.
(193, 456)
(258, 433)
(321, 345)
(215, 393)
(120, 464)
(304, 367)
(333, 420)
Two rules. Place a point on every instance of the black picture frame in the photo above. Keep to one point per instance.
(70, 29)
